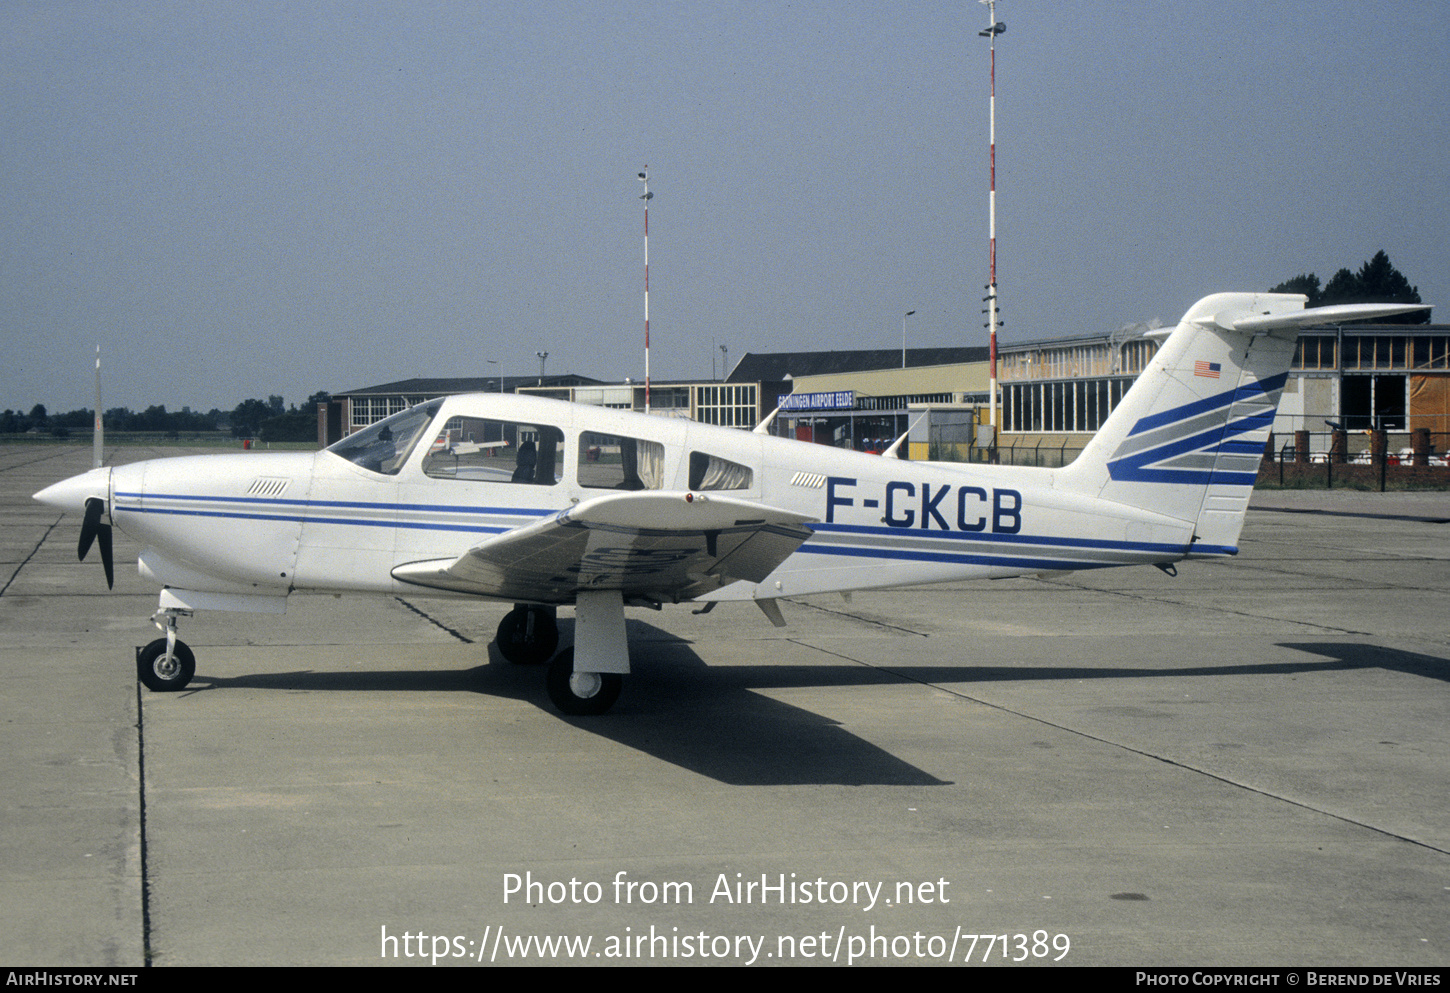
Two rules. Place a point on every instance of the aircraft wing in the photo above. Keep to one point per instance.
(663, 546)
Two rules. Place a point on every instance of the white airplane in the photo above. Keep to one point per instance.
(541, 504)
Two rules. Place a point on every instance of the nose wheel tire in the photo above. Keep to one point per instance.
(581, 694)
(161, 674)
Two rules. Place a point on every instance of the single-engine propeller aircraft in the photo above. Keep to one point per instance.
(542, 504)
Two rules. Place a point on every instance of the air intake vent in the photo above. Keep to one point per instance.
(268, 486)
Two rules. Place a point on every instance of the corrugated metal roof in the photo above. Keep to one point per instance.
(775, 366)
(469, 384)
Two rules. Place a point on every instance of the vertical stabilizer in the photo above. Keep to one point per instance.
(1187, 439)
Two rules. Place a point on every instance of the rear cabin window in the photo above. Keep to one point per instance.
(711, 472)
(486, 451)
(615, 462)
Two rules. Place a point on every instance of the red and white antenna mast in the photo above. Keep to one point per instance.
(644, 178)
(995, 27)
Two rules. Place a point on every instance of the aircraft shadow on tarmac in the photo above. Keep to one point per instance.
(709, 719)
(675, 707)
(1352, 656)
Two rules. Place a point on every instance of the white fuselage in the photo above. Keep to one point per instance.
(265, 523)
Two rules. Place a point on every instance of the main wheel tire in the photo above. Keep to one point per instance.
(527, 635)
(153, 670)
(581, 694)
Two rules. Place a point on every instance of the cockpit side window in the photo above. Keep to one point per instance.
(487, 451)
(711, 472)
(616, 462)
(384, 447)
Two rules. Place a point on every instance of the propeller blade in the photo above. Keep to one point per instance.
(90, 526)
(91, 529)
(104, 533)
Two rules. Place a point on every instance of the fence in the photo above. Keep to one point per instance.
(1368, 460)
(1038, 452)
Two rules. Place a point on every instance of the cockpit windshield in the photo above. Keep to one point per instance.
(384, 447)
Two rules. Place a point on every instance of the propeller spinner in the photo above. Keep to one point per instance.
(86, 494)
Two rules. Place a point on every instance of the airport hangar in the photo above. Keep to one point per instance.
(1054, 393)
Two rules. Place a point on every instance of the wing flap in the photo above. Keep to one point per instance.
(661, 546)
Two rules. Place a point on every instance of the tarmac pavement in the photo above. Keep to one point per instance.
(1247, 764)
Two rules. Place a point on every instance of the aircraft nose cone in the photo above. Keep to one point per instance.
(71, 494)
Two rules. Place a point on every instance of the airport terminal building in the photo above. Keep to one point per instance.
(1054, 393)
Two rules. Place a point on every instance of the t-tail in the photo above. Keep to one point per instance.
(1187, 439)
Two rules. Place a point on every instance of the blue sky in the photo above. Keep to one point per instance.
(247, 199)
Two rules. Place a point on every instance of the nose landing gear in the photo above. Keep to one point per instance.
(167, 664)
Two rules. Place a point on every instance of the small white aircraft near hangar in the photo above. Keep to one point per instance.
(542, 504)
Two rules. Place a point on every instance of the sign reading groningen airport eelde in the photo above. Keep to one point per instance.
(837, 400)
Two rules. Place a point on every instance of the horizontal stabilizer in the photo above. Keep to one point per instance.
(1338, 314)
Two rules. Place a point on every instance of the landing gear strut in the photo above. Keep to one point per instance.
(585, 680)
(167, 664)
(528, 634)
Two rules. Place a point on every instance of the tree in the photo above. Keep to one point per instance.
(1376, 282)
(294, 425)
(248, 417)
(1305, 283)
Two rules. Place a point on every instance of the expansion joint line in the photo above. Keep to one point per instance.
(1135, 751)
(141, 791)
(854, 617)
(26, 561)
(1222, 610)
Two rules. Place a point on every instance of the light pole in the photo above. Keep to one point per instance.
(995, 27)
(543, 357)
(500, 373)
(724, 362)
(646, 197)
(903, 336)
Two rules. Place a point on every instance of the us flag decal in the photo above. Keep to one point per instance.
(1206, 369)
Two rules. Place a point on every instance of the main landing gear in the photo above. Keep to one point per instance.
(581, 694)
(585, 680)
(528, 634)
(167, 664)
